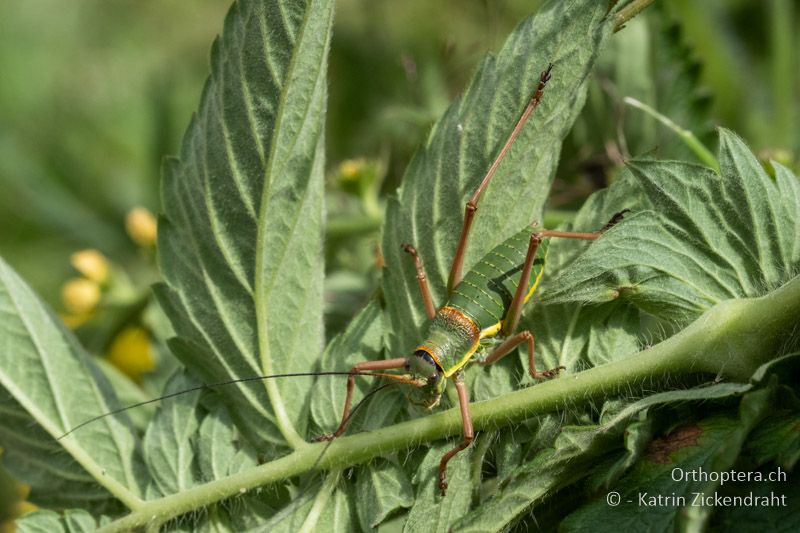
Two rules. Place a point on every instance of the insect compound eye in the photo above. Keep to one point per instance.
(433, 379)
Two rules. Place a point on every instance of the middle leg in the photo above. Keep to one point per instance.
(512, 342)
(469, 433)
(366, 366)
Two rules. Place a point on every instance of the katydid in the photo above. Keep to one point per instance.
(484, 303)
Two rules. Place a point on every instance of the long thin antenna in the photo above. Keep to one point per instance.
(209, 386)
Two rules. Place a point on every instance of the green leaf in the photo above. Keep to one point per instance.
(382, 487)
(432, 512)
(49, 385)
(43, 521)
(777, 440)
(681, 356)
(220, 449)
(168, 446)
(240, 240)
(779, 515)
(710, 238)
(323, 506)
(575, 450)
(463, 143)
(713, 444)
(588, 452)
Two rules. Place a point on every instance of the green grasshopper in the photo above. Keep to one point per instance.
(486, 302)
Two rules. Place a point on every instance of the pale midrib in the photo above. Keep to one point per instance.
(320, 501)
(283, 420)
(224, 361)
(78, 453)
(211, 345)
(182, 427)
(47, 466)
(189, 311)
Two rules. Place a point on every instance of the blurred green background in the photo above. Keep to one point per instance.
(94, 94)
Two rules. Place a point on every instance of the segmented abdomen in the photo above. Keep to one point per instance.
(486, 291)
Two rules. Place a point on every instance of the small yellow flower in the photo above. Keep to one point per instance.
(91, 264)
(18, 507)
(141, 226)
(350, 169)
(132, 353)
(80, 295)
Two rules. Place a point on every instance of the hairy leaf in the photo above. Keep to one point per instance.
(381, 488)
(712, 444)
(431, 511)
(49, 385)
(168, 446)
(240, 239)
(220, 449)
(709, 238)
(43, 521)
(321, 507)
(589, 452)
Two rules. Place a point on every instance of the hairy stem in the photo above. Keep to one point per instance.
(730, 340)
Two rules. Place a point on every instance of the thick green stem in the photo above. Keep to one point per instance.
(730, 340)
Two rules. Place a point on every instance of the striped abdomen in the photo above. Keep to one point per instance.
(486, 291)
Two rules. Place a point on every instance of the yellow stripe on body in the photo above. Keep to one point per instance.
(491, 331)
(535, 284)
(463, 362)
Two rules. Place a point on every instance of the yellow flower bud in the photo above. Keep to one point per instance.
(131, 352)
(141, 226)
(350, 169)
(80, 295)
(91, 264)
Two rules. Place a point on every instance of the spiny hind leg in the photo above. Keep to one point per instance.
(422, 280)
(512, 342)
(472, 205)
(366, 366)
(515, 308)
(469, 433)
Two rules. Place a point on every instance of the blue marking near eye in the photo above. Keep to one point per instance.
(427, 358)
